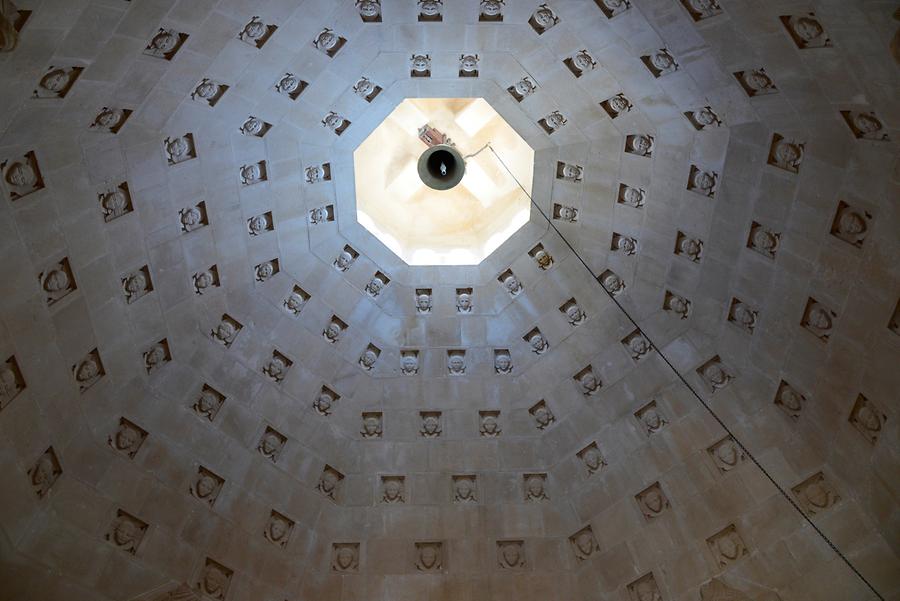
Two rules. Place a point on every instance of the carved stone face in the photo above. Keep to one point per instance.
(543, 258)
(155, 355)
(326, 40)
(114, 202)
(524, 87)
(259, 223)
(583, 61)
(334, 121)
(214, 579)
(409, 363)
(543, 416)
(868, 419)
(56, 281)
(265, 270)
(164, 42)
(817, 495)
(613, 283)
(851, 223)
(344, 259)
(645, 590)
(677, 304)
(618, 104)
(511, 555)
(288, 84)
(512, 285)
(420, 61)
(633, 196)
(567, 213)
(866, 124)
(276, 367)
(126, 437)
(537, 342)
(589, 382)
(110, 118)
(468, 63)
(807, 29)
(136, 283)
(757, 80)
(502, 362)
(207, 90)
(651, 419)
(555, 120)
(790, 399)
(728, 546)
(489, 425)
(207, 401)
(367, 359)
(333, 331)
(641, 144)
(705, 117)
(87, 370)
(125, 532)
(177, 149)
(715, 374)
(572, 171)
(535, 487)
(423, 303)
(375, 286)
(55, 81)
(624, 244)
(819, 319)
(206, 484)
(585, 543)
(324, 401)
(294, 302)
(430, 7)
(191, 217)
(254, 30)
(225, 331)
(543, 17)
(457, 364)
(592, 459)
(703, 180)
(763, 240)
(744, 316)
(786, 153)
(428, 557)
(727, 453)
(464, 302)
(689, 246)
(430, 424)
(653, 500)
(491, 8)
(662, 61)
(251, 173)
(43, 471)
(464, 489)
(270, 444)
(21, 175)
(371, 425)
(392, 490)
(345, 558)
(253, 126)
(278, 527)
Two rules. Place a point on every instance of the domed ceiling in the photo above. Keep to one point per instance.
(676, 382)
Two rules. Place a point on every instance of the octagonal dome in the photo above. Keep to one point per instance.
(459, 226)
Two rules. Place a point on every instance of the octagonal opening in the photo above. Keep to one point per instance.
(465, 223)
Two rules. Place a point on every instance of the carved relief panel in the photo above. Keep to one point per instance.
(260, 224)
(631, 196)
(580, 63)
(88, 371)
(335, 122)
(429, 556)
(271, 443)
(266, 270)
(456, 362)
(345, 557)
(21, 176)
(489, 424)
(464, 489)
(502, 362)
(703, 181)
(786, 154)
(254, 173)
(676, 304)
(865, 125)
(180, 149)
(56, 82)
(660, 63)
(726, 455)
(625, 245)
(637, 345)
(536, 341)
(763, 240)
(296, 300)
(569, 172)
(542, 415)
(867, 418)
(115, 202)
(616, 105)
(278, 529)
(393, 489)
(742, 315)
(57, 281)
(756, 82)
(850, 224)
(431, 10)
(511, 554)
(591, 459)
(583, 544)
(652, 501)
(565, 213)
(806, 31)
(431, 424)
(369, 356)
(468, 65)
(214, 580)
(491, 10)
(11, 381)
(328, 42)
(110, 120)
(137, 284)
(254, 126)
(318, 173)
(420, 64)
(208, 402)
(423, 301)
(688, 247)
(127, 438)
(209, 92)
(372, 424)
(334, 329)
(789, 400)
(464, 303)
(206, 486)
(290, 85)
(535, 487)
(552, 122)
(320, 215)
(409, 363)
(639, 145)
(345, 258)
(650, 419)
(543, 19)
(165, 44)
(703, 118)
(325, 401)
(818, 319)
(126, 532)
(587, 381)
(256, 33)
(193, 218)
(715, 374)
(611, 282)
(277, 366)
(157, 355)
(44, 473)
(226, 330)
(727, 546)
(510, 282)
(522, 89)
(541, 256)
(815, 494)
(329, 482)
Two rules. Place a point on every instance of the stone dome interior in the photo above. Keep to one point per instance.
(676, 382)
